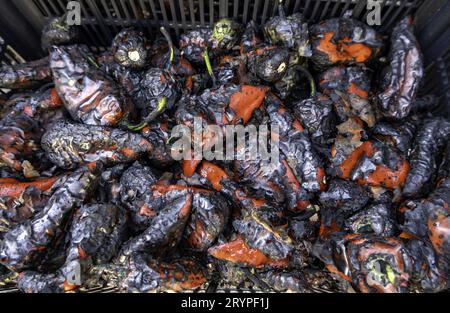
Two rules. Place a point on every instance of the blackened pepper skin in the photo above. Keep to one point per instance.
(25, 243)
(58, 32)
(400, 134)
(296, 146)
(378, 219)
(343, 41)
(258, 233)
(129, 49)
(284, 281)
(68, 144)
(166, 229)
(21, 200)
(194, 43)
(429, 142)
(210, 214)
(344, 197)
(349, 88)
(289, 31)
(269, 64)
(26, 75)
(429, 220)
(141, 274)
(134, 187)
(400, 84)
(19, 140)
(387, 264)
(95, 236)
(88, 95)
(317, 117)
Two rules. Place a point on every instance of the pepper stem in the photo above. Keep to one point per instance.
(171, 47)
(151, 117)
(209, 66)
(310, 78)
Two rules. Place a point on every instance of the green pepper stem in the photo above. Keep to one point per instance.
(310, 78)
(209, 66)
(151, 117)
(171, 47)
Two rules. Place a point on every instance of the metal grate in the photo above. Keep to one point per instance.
(101, 19)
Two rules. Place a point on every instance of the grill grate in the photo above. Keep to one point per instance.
(101, 19)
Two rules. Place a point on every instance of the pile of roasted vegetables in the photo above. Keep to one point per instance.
(91, 196)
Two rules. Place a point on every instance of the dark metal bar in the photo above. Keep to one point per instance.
(183, 14)
(55, 9)
(360, 6)
(265, 9)
(202, 12)
(211, 12)
(106, 36)
(155, 15)
(163, 12)
(255, 11)
(235, 9)
(297, 6)
(192, 11)
(315, 9)
(174, 17)
(346, 6)
(394, 15)
(325, 10)
(145, 9)
(245, 13)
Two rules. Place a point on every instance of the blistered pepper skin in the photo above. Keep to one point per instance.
(39, 232)
(26, 75)
(401, 83)
(69, 144)
(88, 95)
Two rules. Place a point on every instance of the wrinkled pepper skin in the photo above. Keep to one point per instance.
(349, 89)
(95, 236)
(26, 75)
(88, 95)
(37, 233)
(343, 41)
(57, 32)
(129, 49)
(428, 143)
(429, 219)
(142, 275)
(400, 84)
(68, 144)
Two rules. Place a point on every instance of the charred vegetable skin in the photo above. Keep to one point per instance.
(88, 95)
(428, 144)
(95, 236)
(193, 45)
(349, 88)
(25, 75)
(380, 264)
(225, 35)
(143, 274)
(39, 232)
(58, 32)
(343, 41)
(400, 84)
(68, 144)
(290, 32)
(429, 220)
(129, 49)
